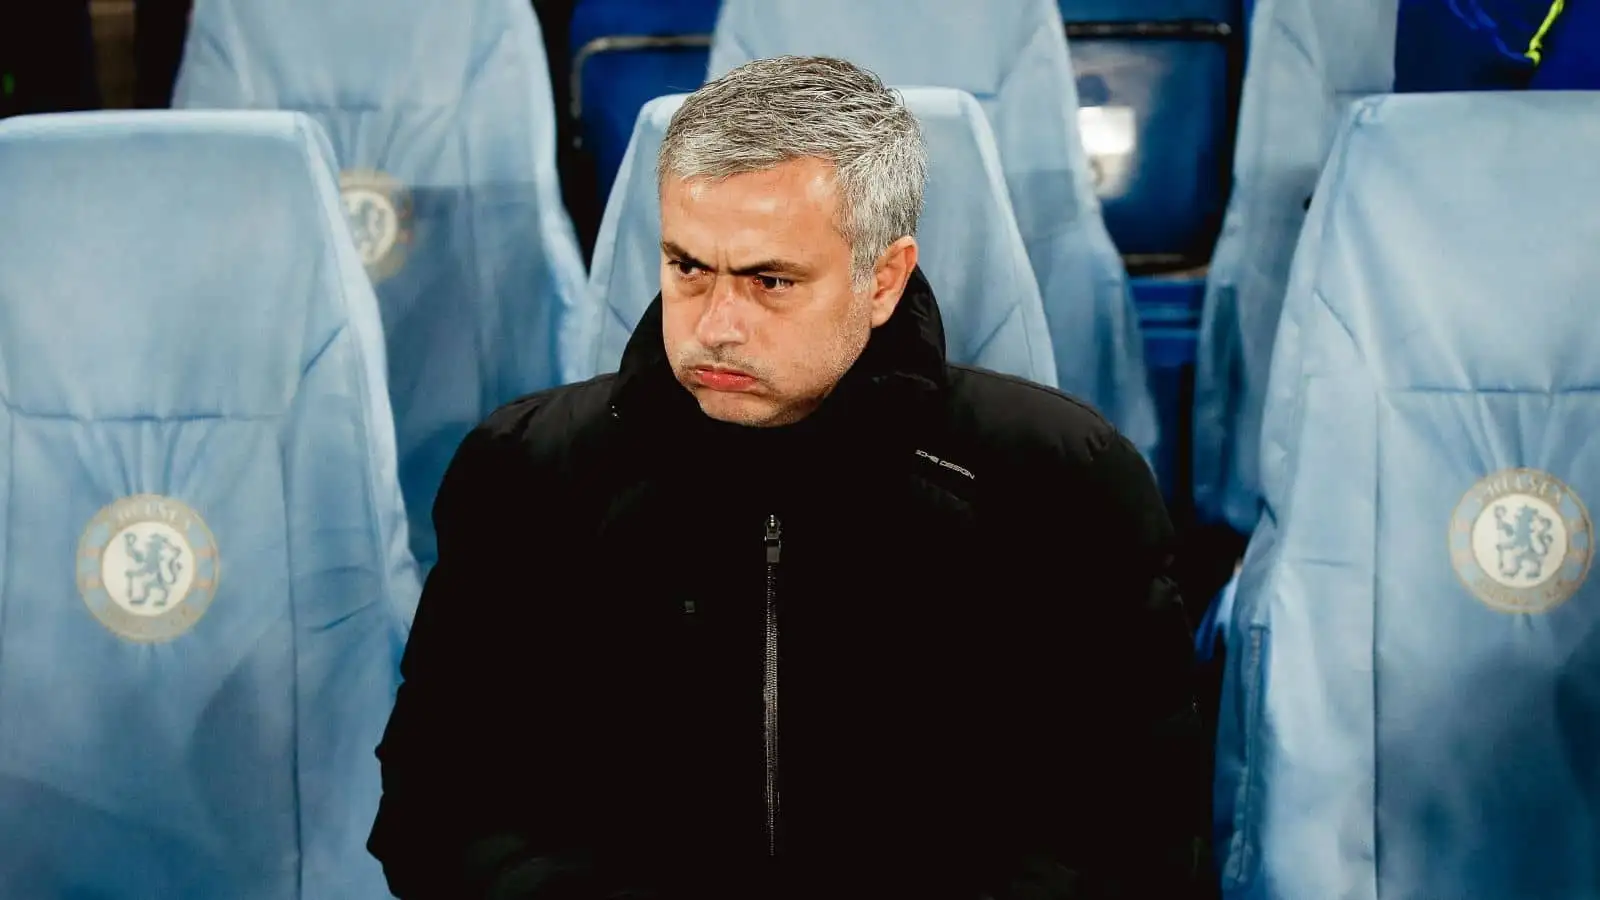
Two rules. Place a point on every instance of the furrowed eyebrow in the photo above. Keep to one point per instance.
(774, 267)
(682, 255)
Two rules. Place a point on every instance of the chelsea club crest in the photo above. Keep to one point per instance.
(148, 568)
(1521, 541)
(378, 208)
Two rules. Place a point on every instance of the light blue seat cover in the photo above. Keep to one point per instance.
(443, 123)
(195, 423)
(971, 251)
(1308, 59)
(1012, 56)
(1411, 704)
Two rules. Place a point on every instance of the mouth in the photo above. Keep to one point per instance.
(718, 379)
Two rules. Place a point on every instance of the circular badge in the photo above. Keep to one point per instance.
(1521, 541)
(378, 208)
(147, 567)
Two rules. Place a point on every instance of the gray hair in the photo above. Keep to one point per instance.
(770, 111)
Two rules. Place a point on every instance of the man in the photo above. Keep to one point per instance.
(789, 606)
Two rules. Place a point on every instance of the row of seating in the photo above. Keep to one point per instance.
(222, 416)
(267, 323)
(1412, 699)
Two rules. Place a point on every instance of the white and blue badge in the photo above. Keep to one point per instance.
(1521, 541)
(378, 208)
(148, 568)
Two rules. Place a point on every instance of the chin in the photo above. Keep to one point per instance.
(736, 409)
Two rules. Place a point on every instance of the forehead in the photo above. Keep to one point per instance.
(790, 205)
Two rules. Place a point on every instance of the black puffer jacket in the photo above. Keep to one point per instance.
(920, 645)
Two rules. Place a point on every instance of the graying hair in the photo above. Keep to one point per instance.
(770, 111)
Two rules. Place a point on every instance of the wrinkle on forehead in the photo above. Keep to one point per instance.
(748, 212)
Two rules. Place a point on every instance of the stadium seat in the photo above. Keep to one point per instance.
(626, 53)
(207, 586)
(972, 252)
(443, 122)
(1156, 80)
(1308, 59)
(1411, 705)
(1012, 56)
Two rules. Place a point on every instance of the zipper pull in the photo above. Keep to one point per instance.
(774, 539)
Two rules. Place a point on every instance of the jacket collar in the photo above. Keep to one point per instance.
(900, 374)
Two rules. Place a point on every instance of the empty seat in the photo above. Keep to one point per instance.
(971, 251)
(1156, 80)
(206, 581)
(626, 53)
(442, 119)
(1012, 56)
(1411, 708)
(1308, 60)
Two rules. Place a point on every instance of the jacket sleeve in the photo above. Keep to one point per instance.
(468, 755)
(1118, 803)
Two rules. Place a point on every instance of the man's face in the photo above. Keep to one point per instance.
(759, 314)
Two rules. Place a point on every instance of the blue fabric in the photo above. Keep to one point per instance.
(183, 317)
(1571, 57)
(1411, 704)
(1011, 55)
(1467, 45)
(443, 112)
(971, 250)
(1169, 319)
(1308, 60)
(1162, 176)
(616, 74)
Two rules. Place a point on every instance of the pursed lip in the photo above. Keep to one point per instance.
(719, 378)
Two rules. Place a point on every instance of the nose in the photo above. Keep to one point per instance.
(722, 321)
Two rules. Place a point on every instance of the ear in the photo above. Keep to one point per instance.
(889, 281)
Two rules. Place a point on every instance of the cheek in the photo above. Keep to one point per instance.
(677, 321)
(832, 346)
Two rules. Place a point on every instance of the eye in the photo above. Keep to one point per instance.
(773, 282)
(685, 269)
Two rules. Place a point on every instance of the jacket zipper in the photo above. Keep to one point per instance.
(769, 681)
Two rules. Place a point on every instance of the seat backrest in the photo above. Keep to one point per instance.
(1012, 56)
(194, 410)
(626, 53)
(1308, 60)
(443, 123)
(1412, 701)
(972, 253)
(1156, 80)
